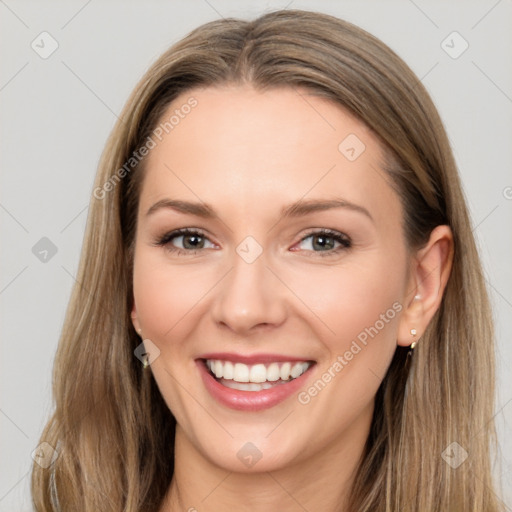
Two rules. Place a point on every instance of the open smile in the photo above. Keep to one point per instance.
(253, 387)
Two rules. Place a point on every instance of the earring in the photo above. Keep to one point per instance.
(413, 344)
(145, 362)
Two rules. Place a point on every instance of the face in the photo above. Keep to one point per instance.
(302, 301)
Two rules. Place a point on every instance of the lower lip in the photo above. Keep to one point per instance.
(250, 400)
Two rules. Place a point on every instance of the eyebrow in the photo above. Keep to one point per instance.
(297, 209)
(304, 207)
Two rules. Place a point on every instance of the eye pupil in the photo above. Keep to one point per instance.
(322, 242)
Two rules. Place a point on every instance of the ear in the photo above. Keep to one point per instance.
(429, 273)
(135, 319)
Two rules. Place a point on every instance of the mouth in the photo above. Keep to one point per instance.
(243, 386)
(255, 377)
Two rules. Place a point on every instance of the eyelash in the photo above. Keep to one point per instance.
(165, 240)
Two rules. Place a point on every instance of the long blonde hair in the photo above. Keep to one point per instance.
(111, 428)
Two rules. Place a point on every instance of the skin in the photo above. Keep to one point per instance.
(249, 154)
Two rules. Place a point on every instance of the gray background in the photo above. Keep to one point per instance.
(57, 113)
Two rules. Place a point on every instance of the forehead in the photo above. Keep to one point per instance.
(237, 145)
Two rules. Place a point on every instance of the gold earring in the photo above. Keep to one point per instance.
(413, 344)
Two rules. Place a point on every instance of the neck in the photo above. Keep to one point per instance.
(321, 482)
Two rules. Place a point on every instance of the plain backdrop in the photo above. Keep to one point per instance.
(58, 111)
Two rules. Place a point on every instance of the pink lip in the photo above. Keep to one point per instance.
(252, 359)
(249, 400)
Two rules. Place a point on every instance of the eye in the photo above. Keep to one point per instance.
(190, 241)
(325, 241)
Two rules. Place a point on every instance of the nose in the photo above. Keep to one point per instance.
(250, 297)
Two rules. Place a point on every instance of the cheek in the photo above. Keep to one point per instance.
(165, 295)
(363, 304)
(167, 299)
(349, 299)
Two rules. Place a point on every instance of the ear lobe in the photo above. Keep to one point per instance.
(135, 319)
(431, 267)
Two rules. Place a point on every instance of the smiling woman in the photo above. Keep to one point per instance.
(283, 307)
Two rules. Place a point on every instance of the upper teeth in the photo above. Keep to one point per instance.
(240, 372)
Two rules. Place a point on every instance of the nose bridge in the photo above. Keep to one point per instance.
(250, 293)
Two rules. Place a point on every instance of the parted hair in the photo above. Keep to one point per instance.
(112, 430)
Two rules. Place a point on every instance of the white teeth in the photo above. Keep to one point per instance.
(285, 371)
(250, 386)
(297, 370)
(241, 373)
(229, 370)
(218, 369)
(260, 375)
(273, 372)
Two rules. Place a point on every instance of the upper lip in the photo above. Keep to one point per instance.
(253, 358)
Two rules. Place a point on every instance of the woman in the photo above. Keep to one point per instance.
(280, 304)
